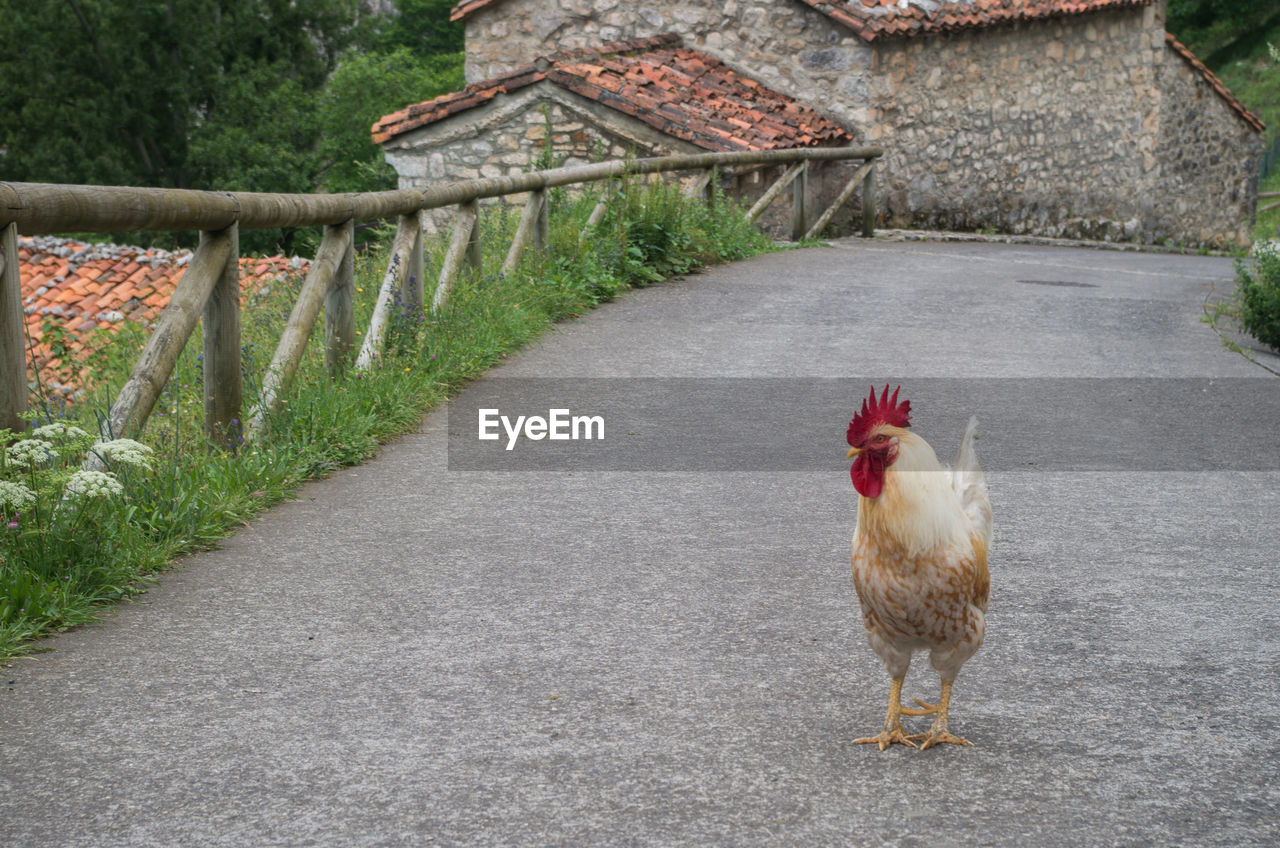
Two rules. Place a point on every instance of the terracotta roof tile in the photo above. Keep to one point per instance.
(1223, 92)
(676, 90)
(77, 288)
(871, 19)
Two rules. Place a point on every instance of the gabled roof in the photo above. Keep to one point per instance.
(871, 19)
(1223, 92)
(677, 91)
(78, 287)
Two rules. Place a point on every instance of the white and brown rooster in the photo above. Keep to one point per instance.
(919, 556)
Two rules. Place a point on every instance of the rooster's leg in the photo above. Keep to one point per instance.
(892, 722)
(938, 733)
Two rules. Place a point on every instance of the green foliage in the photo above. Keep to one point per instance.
(135, 83)
(65, 527)
(250, 95)
(421, 26)
(1218, 30)
(1259, 290)
(55, 571)
(363, 88)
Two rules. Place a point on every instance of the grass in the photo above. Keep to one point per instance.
(63, 560)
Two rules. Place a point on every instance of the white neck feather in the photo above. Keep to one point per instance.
(918, 508)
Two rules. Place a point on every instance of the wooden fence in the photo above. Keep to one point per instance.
(209, 290)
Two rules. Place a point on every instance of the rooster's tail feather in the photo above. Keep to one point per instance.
(970, 485)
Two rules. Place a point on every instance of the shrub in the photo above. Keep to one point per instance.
(1259, 278)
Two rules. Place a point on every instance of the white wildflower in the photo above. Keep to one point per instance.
(59, 431)
(92, 484)
(30, 453)
(15, 495)
(125, 451)
(1266, 249)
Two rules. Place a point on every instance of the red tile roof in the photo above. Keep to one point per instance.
(466, 7)
(871, 19)
(678, 91)
(1223, 92)
(77, 287)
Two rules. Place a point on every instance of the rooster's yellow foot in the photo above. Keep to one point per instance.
(937, 737)
(887, 738)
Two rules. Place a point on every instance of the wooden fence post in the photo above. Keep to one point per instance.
(464, 224)
(529, 223)
(542, 232)
(173, 328)
(869, 202)
(414, 284)
(858, 178)
(800, 203)
(222, 371)
(13, 358)
(334, 249)
(597, 213)
(774, 190)
(475, 250)
(339, 306)
(405, 260)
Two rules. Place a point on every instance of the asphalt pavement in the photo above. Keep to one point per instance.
(650, 636)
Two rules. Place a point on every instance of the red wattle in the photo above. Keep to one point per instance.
(867, 473)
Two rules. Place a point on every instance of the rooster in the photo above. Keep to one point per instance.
(919, 556)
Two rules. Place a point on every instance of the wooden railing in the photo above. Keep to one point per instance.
(209, 289)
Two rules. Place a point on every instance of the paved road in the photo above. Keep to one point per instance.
(664, 649)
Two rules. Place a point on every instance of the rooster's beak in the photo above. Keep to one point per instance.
(853, 452)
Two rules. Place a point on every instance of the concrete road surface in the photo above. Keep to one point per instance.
(650, 637)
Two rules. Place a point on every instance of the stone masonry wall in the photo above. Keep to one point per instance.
(1209, 162)
(1046, 128)
(510, 134)
(783, 44)
(1084, 126)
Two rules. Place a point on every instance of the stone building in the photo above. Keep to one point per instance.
(642, 97)
(1078, 118)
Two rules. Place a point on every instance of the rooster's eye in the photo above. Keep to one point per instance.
(881, 437)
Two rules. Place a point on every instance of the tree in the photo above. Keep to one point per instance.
(122, 94)
(363, 88)
(251, 95)
(1217, 29)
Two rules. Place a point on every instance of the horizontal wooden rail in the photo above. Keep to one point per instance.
(209, 288)
(42, 208)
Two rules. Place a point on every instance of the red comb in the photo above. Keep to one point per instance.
(886, 410)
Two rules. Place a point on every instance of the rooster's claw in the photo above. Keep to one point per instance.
(928, 740)
(887, 738)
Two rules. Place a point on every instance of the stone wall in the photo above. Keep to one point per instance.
(784, 44)
(1045, 128)
(1085, 126)
(1206, 188)
(510, 135)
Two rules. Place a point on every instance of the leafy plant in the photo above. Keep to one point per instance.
(1259, 288)
(64, 524)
